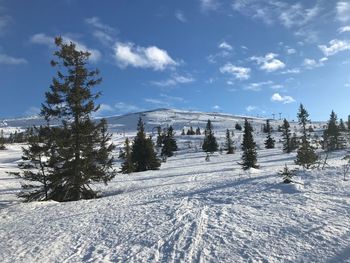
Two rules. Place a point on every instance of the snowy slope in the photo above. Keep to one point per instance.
(188, 211)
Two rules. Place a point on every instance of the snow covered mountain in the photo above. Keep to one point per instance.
(190, 210)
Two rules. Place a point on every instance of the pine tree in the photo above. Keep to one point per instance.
(270, 142)
(127, 165)
(198, 131)
(342, 127)
(287, 145)
(80, 149)
(306, 155)
(238, 127)
(183, 132)
(229, 143)
(2, 140)
(143, 155)
(169, 143)
(160, 137)
(249, 156)
(209, 143)
(287, 174)
(294, 142)
(35, 166)
(348, 123)
(331, 134)
(190, 131)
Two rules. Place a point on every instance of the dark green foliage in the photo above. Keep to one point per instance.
(79, 150)
(143, 155)
(190, 131)
(294, 142)
(198, 131)
(238, 127)
(348, 123)
(183, 132)
(2, 140)
(306, 155)
(342, 127)
(169, 143)
(35, 166)
(249, 156)
(160, 137)
(270, 142)
(229, 143)
(209, 143)
(331, 134)
(287, 175)
(127, 165)
(287, 144)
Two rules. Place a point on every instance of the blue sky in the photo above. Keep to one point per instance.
(252, 57)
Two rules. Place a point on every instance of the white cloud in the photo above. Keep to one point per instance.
(312, 63)
(127, 54)
(216, 108)
(44, 39)
(257, 86)
(251, 108)
(291, 51)
(238, 72)
(297, 15)
(225, 45)
(174, 80)
(209, 5)
(291, 71)
(96, 23)
(269, 63)
(284, 99)
(334, 47)
(102, 32)
(343, 11)
(344, 29)
(8, 60)
(180, 16)
(4, 21)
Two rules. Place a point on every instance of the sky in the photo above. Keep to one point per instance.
(244, 57)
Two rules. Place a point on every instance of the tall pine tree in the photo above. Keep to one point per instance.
(229, 143)
(270, 142)
(287, 147)
(80, 150)
(127, 164)
(209, 144)
(249, 156)
(331, 134)
(306, 155)
(2, 140)
(169, 143)
(143, 155)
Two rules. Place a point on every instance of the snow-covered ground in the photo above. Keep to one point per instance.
(188, 211)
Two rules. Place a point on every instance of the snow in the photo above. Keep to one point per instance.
(190, 210)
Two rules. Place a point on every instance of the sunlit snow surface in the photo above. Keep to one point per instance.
(188, 211)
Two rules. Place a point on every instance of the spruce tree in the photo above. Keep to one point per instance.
(287, 147)
(348, 123)
(342, 127)
(2, 140)
(127, 165)
(209, 143)
(294, 142)
(160, 137)
(229, 143)
(249, 156)
(198, 131)
(80, 150)
(331, 134)
(143, 155)
(169, 143)
(270, 142)
(183, 132)
(35, 166)
(306, 155)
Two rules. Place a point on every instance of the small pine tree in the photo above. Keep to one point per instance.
(209, 143)
(238, 127)
(331, 134)
(198, 131)
(287, 147)
(127, 165)
(2, 140)
(270, 142)
(342, 127)
(249, 156)
(287, 175)
(229, 143)
(35, 167)
(169, 143)
(306, 155)
(183, 132)
(294, 142)
(143, 155)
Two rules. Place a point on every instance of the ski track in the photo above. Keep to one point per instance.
(188, 211)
